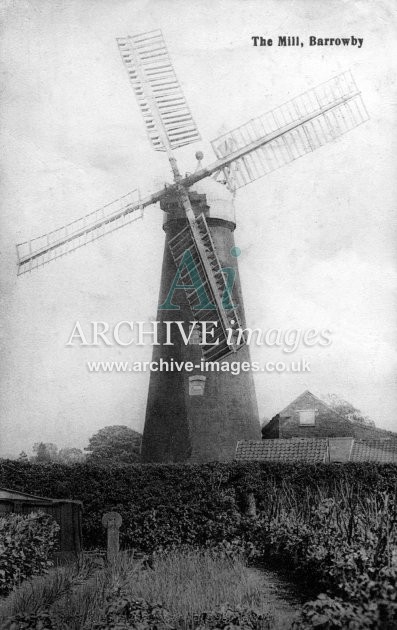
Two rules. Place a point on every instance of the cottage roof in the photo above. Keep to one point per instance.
(305, 393)
(372, 431)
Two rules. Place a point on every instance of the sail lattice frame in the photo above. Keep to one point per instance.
(113, 216)
(292, 130)
(156, 86)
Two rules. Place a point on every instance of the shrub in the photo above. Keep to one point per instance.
(327, 613)
(122, 611)
(26, 545)
(30, 621)
(125, 613)
(229, 618)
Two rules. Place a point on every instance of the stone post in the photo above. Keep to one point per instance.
(251, 505)
(112, 521)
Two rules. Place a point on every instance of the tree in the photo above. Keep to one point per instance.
(45, 451)
(22, 457)
(70, 455)
(115, 443)
(347, 411)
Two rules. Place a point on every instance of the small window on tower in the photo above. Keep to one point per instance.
(196, 385)
(307, 417)
(194, 335)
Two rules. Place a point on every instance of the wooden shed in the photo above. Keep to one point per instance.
(67, 513)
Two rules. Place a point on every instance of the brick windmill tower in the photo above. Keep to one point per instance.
(199, 414)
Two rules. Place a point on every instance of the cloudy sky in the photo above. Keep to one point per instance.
(318, 237)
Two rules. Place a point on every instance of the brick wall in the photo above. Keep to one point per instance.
(286, 424)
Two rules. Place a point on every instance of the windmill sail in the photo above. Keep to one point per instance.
(157, 90)
(244, 154)
(43, 249)
(292, 130)
(198, 242)
(170, 125)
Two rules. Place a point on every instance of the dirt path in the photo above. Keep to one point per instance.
(285, 599)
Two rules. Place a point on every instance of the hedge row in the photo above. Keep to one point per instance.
(177, 504)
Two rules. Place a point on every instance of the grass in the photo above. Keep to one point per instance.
(186, 583)
(37, 593)
(191, 583)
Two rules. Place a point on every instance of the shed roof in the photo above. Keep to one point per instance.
(315, 450)
(15, 495)
(310, 450)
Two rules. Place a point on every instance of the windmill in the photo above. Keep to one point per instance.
(200, 415)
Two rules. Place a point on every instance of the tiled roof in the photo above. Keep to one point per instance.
(381, 451)
(314, 450)
(311, 450)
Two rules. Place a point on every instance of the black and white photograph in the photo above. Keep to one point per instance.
(198, 379)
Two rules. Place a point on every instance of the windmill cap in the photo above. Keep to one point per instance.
(219, 199)
(209, 197)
